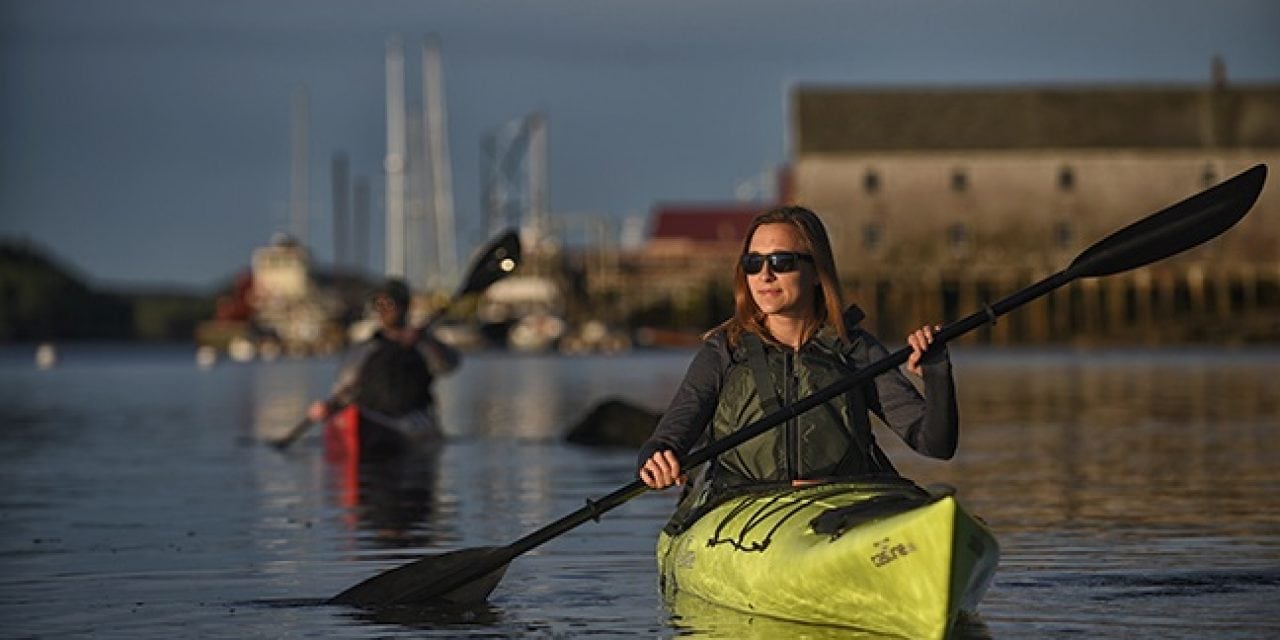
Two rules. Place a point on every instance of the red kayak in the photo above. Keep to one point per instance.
(366, 435)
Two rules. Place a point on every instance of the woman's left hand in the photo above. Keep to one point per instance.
(919, 341)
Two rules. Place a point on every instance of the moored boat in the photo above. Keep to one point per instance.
(882, 556)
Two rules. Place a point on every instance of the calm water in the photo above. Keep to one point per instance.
(1135, 494)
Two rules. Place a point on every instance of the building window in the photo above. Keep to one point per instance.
(871, 181)
(872, 234)
(959, 181)
(957, 235)
(1066, 179)
(1063, 235)
(1208, 175)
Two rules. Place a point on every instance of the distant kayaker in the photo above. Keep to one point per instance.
(390, 375)
(790, 336)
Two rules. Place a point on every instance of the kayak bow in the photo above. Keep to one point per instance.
(881, 556)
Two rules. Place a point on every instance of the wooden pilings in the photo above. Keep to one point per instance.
(1191, 303)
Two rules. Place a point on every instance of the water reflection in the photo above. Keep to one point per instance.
(434, 618)
(510, 398)
(275, 397)
(1159, 440)
(1133, 493)
(391, 499)
(537, 397)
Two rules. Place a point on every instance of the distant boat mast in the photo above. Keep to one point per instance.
(395, 159)
(437, 142)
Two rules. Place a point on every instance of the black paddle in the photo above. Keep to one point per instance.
(497, 259)
(467, 576)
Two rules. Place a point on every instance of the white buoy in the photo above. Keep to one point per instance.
(206, 357)
(241, 350)
(46, 355)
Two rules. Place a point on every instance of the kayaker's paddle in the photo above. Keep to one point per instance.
(467, 576)
(497, 259)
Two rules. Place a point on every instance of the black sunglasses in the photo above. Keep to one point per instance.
(779, 262)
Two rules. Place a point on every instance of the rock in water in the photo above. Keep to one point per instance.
(614, 423)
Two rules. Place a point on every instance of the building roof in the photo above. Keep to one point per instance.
(704, 222)
(844, 119)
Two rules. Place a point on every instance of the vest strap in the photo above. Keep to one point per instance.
(759, 365)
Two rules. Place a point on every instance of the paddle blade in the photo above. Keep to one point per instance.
(463, 577)
(495, 261)
(1174, 229)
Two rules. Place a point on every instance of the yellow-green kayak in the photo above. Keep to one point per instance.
(881, 556)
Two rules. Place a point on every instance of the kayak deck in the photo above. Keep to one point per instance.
(885, 557)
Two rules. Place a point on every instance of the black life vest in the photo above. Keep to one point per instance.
(394, 379)
(831, 440)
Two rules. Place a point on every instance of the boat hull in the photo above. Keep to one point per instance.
(899, 561)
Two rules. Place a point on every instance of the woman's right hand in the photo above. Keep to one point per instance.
(919, 340)
(662, 470)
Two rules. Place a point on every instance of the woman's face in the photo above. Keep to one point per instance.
(389, 312)
(787, 294)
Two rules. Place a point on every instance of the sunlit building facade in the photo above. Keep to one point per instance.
(939, 199)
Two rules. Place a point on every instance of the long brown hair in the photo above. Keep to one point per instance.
(827, 302)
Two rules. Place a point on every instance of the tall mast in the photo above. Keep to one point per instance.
(438, 157)
(361, 204)
(341, 177)
(419, 236)
(395, 159)
(537, 170)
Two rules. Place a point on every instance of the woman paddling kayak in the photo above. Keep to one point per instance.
(791, 335)
(809, 521)
(389, 378)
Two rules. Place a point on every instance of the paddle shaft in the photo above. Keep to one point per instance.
(1093, 260)
(595, 508)
(1238, 193)
(1175, 229)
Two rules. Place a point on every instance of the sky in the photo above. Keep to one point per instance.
(146, 143)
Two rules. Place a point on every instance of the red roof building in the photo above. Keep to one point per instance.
(689, 228)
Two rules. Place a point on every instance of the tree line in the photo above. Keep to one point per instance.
(41, 300)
